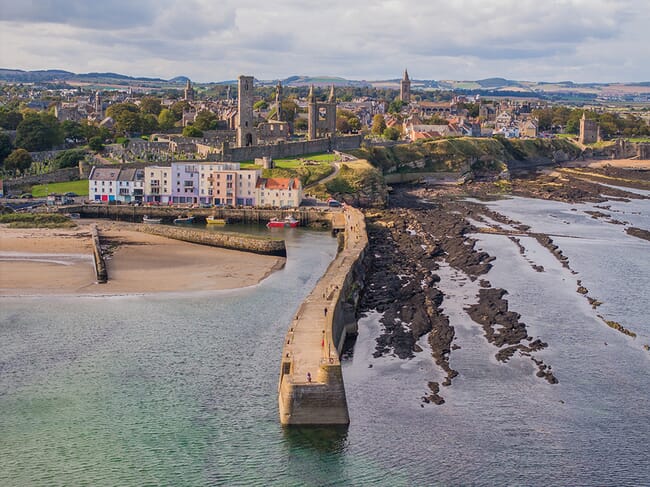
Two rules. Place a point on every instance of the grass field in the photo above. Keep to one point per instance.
(293, 162)
(79, 187)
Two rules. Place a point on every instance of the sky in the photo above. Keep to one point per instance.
(215, 40)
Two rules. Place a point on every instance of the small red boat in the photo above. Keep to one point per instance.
(288, 222)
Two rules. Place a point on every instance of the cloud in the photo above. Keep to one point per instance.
(590, 40)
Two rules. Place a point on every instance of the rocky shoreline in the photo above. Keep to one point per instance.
(426, 226)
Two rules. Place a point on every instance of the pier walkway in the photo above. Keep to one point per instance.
(311, 389)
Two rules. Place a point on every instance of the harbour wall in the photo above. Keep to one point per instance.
(232, 241)
(311, 389)
(131, 213)
(101, 273)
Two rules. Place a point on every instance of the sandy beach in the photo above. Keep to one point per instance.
(59, 261)
(618, 163)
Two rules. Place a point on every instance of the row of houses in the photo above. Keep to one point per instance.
(219, 184)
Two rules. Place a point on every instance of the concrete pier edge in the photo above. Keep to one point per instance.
(311, 389)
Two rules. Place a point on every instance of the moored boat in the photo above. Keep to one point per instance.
(184, 220)
(148, 219)
(287, 222)
(211, 220)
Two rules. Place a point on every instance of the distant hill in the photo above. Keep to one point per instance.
(321, 81)
(489, 86)
(58, 75)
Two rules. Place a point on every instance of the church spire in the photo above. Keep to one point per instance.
(332, 97)
(406, 75)
(310, 97)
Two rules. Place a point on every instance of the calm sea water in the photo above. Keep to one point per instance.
(182, 389)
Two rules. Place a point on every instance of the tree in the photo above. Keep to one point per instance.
(260, 105)
(378, 124)
(166, 119)
(72, 131)
(150, 105)
(435, 119)
(301, 124)
(5, 147)
(19, 160)
(342, 125)
(148, 123)
(347, 121)
(396, 106)
(391, 133)
(38, 132)
(289, 110)
(205, 120)
(9, 119)
(126, 116)
(179, 107)
(192, 131)
(69, 158)
(96, 143)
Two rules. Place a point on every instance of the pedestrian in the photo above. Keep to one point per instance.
(325, 311)
(308, 377)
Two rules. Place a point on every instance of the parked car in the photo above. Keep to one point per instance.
(71, 194)
(333, 203)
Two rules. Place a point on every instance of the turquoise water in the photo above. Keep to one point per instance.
(181, 389)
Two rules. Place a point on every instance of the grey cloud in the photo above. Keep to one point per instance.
(117, 14)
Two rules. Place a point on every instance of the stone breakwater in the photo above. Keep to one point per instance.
(100, 264)
(311, 389)
(232, 241)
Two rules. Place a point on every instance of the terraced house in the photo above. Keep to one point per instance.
(206, 183)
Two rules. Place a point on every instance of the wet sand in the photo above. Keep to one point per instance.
(59, 262)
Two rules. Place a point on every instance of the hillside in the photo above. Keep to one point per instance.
(466, 153)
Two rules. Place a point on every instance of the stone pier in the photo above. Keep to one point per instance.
(311, 389)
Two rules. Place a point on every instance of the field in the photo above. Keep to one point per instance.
(294, 162)
(79, 187)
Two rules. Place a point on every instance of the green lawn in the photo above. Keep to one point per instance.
(293, 162)
(79, 187)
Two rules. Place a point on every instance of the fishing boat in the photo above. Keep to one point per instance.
(184, 220)
(148, 219)
(287, 222)
(212, 220)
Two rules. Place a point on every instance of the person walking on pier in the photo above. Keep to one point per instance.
(325, 311)
(308, 377)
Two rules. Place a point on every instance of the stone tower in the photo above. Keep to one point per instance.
(278, 101)
(405, 88)
(589, 130)
(330, 113)
(321, 118)
(98, 104)
(312, 114)
(189, 91)
(245, 127)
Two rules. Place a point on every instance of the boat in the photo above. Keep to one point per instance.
(288, 222)
(211, 220)
(184, 220)
(74, 216)
(148, 219)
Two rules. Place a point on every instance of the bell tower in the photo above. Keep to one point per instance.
(405, 88)
(245, 128)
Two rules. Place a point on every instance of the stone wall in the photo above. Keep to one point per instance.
(100, 264)
(291, 149)
(319, 218)
(232, 241)
(58, 176)
(314, 341)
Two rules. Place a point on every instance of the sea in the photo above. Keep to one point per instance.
(181, 389)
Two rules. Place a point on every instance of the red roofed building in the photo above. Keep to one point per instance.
(279, 192)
